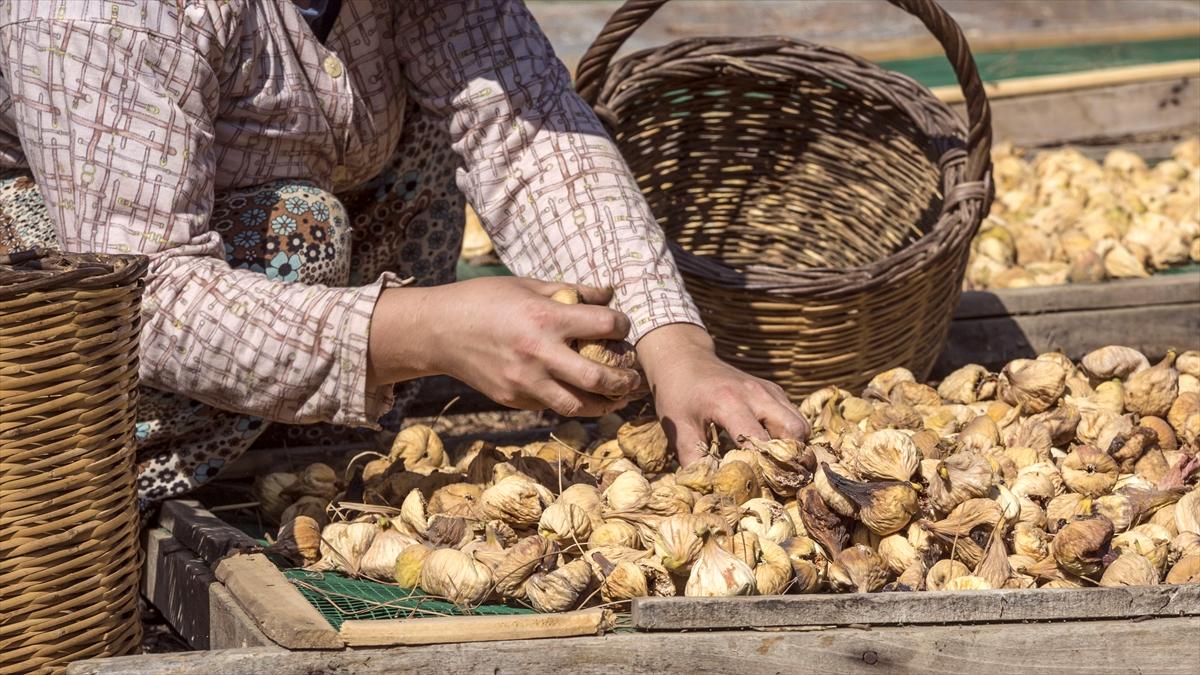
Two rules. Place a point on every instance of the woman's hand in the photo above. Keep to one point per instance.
(504, 337)
(692, 387)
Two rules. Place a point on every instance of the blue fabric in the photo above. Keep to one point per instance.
(320, 15)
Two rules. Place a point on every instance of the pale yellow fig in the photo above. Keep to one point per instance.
(1164, 435)
(833, 498)
(1152, 391)
(737, 480)
(630, 579)
(897, 553)
(603, 457)
(1014, 277)
(456, 576)
(808, 566)
(311, 506)
(1030, 541)
(857, 569)
(407, 572)
(1130, 569)
(967, 582)
(1081, 545)
(379, 561)
(942, 572)
(1187, 513)
(1064, 508)
(958, 478)
(1185, 571)
(268, 490)
(1155, 548)
(603, 558)
(718, 573)
(560, 590)
(1089, 471)
(416, 445)
(529, 555)
(630, 491)
(587, 498)
(1023, 457)
(516, 500)
(1031, 513)
(886, 455)
(1113, 361)
(645, 444)
(979, 435)
(677, 542)
(1121, 263)
(456, 499)
(884, 507)
(565, 522)
(1182, 416)
(996, 244)
(881, 385)
(614, 533)
(698, 475)
(1031, 385)
(894, 416)
(768, 519)
(1188, 363)
(1165, 517)
(855, 409)
(343, 545)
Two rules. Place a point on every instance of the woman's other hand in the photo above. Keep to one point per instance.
(693, 387)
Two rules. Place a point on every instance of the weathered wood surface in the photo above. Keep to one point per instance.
(1169, 289)
(941, 607)
(994, 342)
(441, 630)
(201, 531)
(1084, 647)
(1108, 113)
(1100, 77)
(276, 607)
(183, 589)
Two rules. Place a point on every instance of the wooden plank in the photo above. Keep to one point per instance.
(229, 626)
(1076, 648)
(1111, 113)
(276, 607)
(915, 608)
(1169, 289)
(183, 589)
(1101, 77)
(994, 342)
(459, 629)
(201, 531)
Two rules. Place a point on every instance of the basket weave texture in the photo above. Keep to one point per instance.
(69, 554)
(819, 207)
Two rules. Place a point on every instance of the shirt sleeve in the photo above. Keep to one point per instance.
(548, 183)
(115, 124)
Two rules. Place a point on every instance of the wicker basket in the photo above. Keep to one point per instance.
(820, 208)
(69, 554)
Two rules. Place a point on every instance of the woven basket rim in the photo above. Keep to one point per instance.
(701, 55)
(41, 269)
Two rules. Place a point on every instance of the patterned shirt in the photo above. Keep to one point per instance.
(130, 113)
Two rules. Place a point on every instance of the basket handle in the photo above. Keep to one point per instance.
(593, 67)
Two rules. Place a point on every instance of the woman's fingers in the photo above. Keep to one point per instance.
(568, 367)
(569, 401)
(778, 414)
(591, 322)
(739, 420)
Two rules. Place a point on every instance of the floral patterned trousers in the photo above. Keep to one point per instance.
(408, 220)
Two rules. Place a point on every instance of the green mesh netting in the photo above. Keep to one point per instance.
(340, 599)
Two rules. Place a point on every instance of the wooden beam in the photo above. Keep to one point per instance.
(276, 607)
(207, 535)
(993, 342)
(1074, 648)
(1112, 114)
(460, 629)
(1167, 289)
(1025, 86)
(789, 611)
